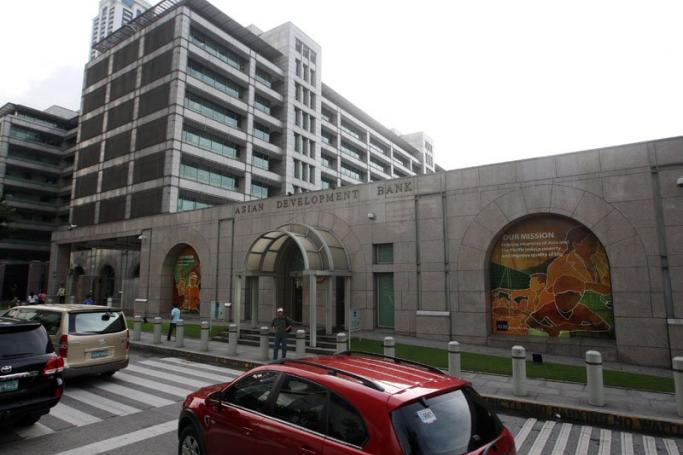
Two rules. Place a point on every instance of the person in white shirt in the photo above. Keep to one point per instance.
(175, 315)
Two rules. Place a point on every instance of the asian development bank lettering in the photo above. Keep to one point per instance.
(317, 199)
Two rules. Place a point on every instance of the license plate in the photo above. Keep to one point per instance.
(98, 354)
(9, 386)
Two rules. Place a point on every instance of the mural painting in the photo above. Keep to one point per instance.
(187, 280)
(549, 276)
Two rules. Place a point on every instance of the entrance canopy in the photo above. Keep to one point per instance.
(322, 253)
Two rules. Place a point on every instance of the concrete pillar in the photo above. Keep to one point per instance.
(157, 330)
(204, 336)
(60, 258)
(313, 309)
(254, 296)
(137, 327)
(140, 307)
(389, 347)
(341, 342)
(110, 302)
(454, 359)
(347, 304)
(678, 383)
(180, 333)
(233, 335)
(72, 299)
(594, 382)
(518, 371)
(300, 343)
(264, 335)
(237, 303)
(328, 304)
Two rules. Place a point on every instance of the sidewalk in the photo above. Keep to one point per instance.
(625, 409)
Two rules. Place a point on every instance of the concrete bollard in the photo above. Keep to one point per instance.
(454, 359)
(678, 383)
(137, 327)
(204, 336)
(179, 333)
(341, 342)
(232, 339)
(110, 302)
(72, 299)
(264, 335)
(519, 371)
(300, 343)
(596, 391)
(389, 347)
(157, 330)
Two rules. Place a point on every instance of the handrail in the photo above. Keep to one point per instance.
(335, 371)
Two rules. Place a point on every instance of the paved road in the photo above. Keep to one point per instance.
(136, 411)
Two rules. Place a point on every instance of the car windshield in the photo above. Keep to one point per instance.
(452, 423)
(98, 322)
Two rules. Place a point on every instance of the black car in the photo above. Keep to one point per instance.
(30, 372)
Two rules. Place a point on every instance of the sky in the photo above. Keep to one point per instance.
(488, 80)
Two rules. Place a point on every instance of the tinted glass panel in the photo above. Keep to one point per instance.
(301, 403)
(452, 423)
(252, 392)
(344, 422)
(96, 322)
(24, 343)
(51, 320)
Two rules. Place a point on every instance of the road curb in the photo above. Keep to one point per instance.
(550, 411)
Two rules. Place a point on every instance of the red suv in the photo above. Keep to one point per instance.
(348, 403)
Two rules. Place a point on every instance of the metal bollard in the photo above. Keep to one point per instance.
(300, 343)
(389, 347)
(596, 392)
(454, 359)
(157, 330)
(137, 327)
(264, 333)
(204, 336)
(179, 333)
(341, 342)
(678, 383)
(232, 339)
(519, 371)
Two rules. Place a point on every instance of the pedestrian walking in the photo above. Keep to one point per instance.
(32, 298)
(61, 294)
(175, 315)
(42, 297)
(281, 325)
(88, 300)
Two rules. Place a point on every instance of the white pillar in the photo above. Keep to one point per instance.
(254, 296)
(237, 302)
(300, 343)
(341, 342)
(232, 339)
(157, 330)
(180, 333)
(596, 391)
(312, 310)
(328, 305)
(264, 333)
(137, 327)
(454, 359)
(389, 347)
(518, 371)
(204, 336)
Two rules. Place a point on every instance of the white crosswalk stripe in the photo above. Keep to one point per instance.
(204, 366)
(72, 415)
(133, 394)
(649, 445)
(626, 443)
(562, 439)
(167, 376)
(584, 440)
(539, 443)
(34, 431)
(180, 392)
(524, 432)
(97, 401)
(605, 442)
(217, 378)
(670, 446)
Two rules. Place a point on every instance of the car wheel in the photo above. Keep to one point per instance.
(108, 374)
(29, 419)
(190, 443)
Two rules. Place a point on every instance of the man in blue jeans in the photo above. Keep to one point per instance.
(281, 324)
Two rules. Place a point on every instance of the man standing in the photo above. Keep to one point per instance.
(61, 294)
(281, 324)
(175, 315)
(88, 300)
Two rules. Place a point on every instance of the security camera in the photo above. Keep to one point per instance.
(679, 182)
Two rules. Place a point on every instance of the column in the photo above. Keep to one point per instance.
(347, 303)
(254, 290)
(329, 307)
(312, 307)
(60, 257)
(236, 304)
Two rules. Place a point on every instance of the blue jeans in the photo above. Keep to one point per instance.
(280, 343)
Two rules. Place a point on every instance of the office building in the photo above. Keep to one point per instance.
(112, 15)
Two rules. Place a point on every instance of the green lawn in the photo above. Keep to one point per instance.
(502, 365)
(190, 330)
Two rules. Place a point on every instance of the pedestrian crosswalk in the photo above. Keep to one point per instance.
(537, 437)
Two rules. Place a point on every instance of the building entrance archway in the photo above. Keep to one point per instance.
(297, 258)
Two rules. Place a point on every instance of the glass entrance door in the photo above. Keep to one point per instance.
(384, 285)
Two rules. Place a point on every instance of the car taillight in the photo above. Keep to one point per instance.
(505, 445)
(64, 346)
(54, 365)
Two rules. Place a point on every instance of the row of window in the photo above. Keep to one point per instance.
(33, 136)
(304, 95)
(40, 121)
(259, 191)
(212, 110)
(262, 104)
(305, 51)
(188, 204)
(209, 142)
(350, 151)
(213, 79)
(207, 176)
(260, 161)
(327, 184)
(350, 172)
(304, 120)
(352, 131)
(305, 72)
(304, 145)
(304, 171)
(377, 166)
(220, 52)
(330, 163)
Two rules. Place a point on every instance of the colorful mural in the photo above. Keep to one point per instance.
(187, 280)
(550, 277)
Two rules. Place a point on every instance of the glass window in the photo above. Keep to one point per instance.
(301, 403)
(259, 191)
(455, 422)
(49, 319)
(344, 423)
(211, 110)
(25, 343)
(203, 176)
(96, 322)
(213, 48)
(264, 78)
(252, 392)
(384, 253)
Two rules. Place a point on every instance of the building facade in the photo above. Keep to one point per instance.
(36, 166)
(560, 254)
(112, 15)
(186, 109)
